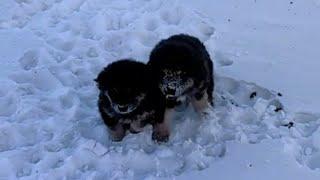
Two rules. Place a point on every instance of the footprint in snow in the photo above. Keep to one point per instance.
(172, 16)
(222, 59)
(151, 24)
(29, 60)
(305, 141)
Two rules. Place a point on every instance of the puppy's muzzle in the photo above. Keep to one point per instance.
(123, 108)
(171, 98)
(172, 101)
(171, 92)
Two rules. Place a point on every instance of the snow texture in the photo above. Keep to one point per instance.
(50, 127)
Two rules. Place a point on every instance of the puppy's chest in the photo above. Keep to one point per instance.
(137, 122)
(128, 118)
(138, 117)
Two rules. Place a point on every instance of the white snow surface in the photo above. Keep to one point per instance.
(52, 50)
(272, 43)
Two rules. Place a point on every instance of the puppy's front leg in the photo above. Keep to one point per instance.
(200, 102)
(161, 130)
(117, 132)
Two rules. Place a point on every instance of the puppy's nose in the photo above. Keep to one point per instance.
(171, 98)
(171, 91)
(123, 108)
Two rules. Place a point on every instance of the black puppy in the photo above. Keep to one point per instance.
(129, 100)
(183, 70)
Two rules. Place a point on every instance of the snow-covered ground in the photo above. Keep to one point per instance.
(276, 39)
(52, 50)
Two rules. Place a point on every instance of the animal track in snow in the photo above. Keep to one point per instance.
(305, 134)
(61, 44)
(68, 99)
(222, 60)
(39, 78)
(8, 101)
(148, 39)
(152, 24)
(172, 16)
(29, 60)
(92, 52)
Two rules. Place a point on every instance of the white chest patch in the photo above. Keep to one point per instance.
(136, 122)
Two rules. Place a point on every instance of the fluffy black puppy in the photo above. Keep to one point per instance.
(183, 70)
(129, 100)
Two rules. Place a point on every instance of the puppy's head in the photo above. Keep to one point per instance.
(173, 66)
(174, 83)
(125, 84)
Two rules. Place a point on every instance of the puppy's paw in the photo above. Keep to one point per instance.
(206, 113)
(116, 139)
(160, 137)
(117, 134)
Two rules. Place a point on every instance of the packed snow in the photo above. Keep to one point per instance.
(265, 123)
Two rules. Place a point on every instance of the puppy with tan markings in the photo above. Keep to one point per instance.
(183, 70)
(129, 100)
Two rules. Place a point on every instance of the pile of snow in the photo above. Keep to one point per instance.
(50, 126)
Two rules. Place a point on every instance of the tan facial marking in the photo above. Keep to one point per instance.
(202, 104)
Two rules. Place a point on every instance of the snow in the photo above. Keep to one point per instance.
(259, 163)
(52, 50)
(277, 38)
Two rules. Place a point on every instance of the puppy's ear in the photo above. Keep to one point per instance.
(97, 80)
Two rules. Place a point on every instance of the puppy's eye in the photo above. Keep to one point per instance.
(112, 91)
(189, 81)
(136, 89)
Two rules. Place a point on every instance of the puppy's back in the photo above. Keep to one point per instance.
(125, 73)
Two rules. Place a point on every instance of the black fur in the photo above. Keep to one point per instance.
(186, 54)
(125, 80)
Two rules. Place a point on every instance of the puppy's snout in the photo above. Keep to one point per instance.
(171, 98)
(171, 101)
(123, 108)
(171, 92)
